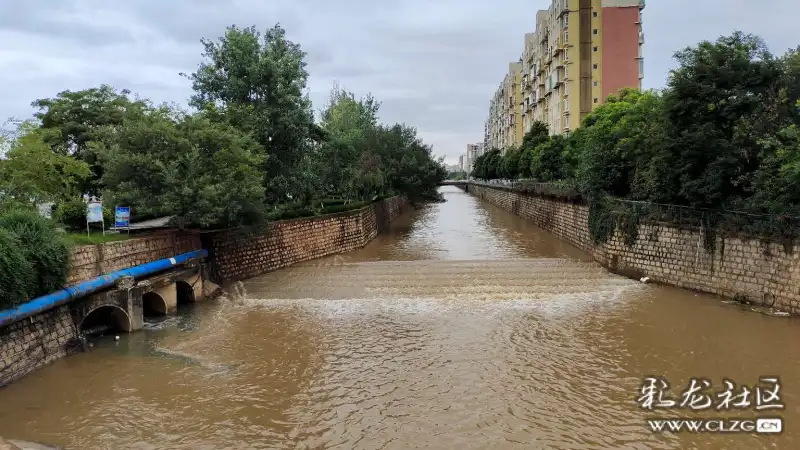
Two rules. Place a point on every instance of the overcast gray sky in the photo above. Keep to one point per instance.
(434, 65)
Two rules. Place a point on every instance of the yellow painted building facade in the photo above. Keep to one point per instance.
(504, 127)
(563, 66)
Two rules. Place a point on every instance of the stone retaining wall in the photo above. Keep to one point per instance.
(235, 256)
(89, 261)
(31, 343)
(739, 267)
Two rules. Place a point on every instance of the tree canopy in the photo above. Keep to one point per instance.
(31, 173)
(257, 82)
(250, 145)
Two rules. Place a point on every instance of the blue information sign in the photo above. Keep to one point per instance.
(122, 217)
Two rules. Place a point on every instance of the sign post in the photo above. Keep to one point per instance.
(94, 213)
(122, 218)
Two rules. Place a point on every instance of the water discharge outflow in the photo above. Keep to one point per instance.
(462, 327)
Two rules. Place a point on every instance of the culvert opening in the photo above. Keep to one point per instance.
(104, 320)
(153, 305)
(184, 292)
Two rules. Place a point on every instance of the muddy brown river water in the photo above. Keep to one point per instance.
(463, 327)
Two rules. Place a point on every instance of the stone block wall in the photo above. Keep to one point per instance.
(31, 343)
(89, 261)
(739, 267)
(236, 256)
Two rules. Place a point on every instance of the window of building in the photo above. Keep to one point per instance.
(594, 31)
(596, 83)
(595, 100)
(594, 14)
(594, 66)
(595, 48)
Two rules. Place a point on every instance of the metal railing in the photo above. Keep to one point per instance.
(754, 224)
(785, 227)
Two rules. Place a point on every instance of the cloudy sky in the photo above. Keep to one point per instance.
(434, 65)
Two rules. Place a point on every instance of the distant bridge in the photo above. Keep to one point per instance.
(461, 183)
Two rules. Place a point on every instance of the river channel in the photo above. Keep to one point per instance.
(464, 326)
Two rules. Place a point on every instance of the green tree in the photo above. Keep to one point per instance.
(203, 173)
(32, 173)
(510, 164)
(722, 100)
(74, 117)
(621, 138)
(346, 122)
(537, 135)
(257, 81)
(547, 162)
(408, 165)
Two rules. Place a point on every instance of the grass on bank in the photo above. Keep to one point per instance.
(94, 238)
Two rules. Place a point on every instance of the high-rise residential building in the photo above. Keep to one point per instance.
(580, 52)
(473, 152)
(462, 164)
(504, 127)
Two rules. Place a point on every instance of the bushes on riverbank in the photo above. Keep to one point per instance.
(34, 257)
(723, 135)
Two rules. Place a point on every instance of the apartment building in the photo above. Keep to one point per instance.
(473, 152)
(462, 164)
(504, 127)
(580, 52)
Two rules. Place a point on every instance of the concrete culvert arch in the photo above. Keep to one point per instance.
(106, 318)
(153, 305)
(185, 292)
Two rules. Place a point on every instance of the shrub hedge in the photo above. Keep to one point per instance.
(17, 277)
(34, 257)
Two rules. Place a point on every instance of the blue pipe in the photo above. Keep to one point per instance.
(91, 286)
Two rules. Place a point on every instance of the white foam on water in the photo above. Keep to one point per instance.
(550, 305)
